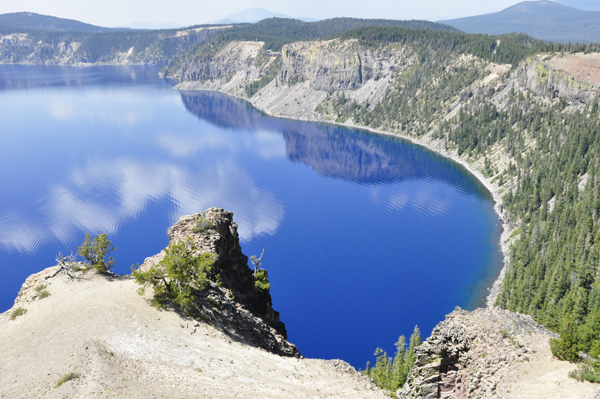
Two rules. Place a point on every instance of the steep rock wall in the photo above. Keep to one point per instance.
(543, 79)
(478, 354)
(237, 306)
(309, 71)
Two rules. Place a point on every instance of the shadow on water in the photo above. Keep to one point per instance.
(335, 151)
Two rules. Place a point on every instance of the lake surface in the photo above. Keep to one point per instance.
(364, 235)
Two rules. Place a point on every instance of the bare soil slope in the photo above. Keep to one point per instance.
(120, 346)
(584, 67)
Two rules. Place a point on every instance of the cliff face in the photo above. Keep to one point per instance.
(544, 78)
(234, 58)
(119, 48)
(490, 353)
(295, 82)
(335, 64)
(236, 306)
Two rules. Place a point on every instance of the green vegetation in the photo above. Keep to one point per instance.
(553, 151)
(39, 288)
(272, 72)
(148, 46)
(588, 370)
(202, 225)
(66, 378)
(41, 291)
(179, 277)
(17, 312)
(97, 251)
(261, 280)
(276, 32)
(45, 22)
(391, 373)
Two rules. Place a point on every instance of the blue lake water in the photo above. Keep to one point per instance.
(364, 235)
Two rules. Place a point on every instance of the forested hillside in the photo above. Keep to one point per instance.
(30, 20)
(551, 150)
(551, 147)
(21, 45)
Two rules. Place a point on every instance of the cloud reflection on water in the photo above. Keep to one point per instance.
(81, 203)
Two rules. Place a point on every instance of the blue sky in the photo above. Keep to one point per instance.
(190, 12)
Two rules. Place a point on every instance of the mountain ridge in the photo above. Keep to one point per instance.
(32, 20)
(546, 20)
(256, 14)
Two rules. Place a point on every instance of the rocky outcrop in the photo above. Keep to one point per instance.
(84, 48)
(305, 73)
(543, 79)
(470, 353)
(335, 64)
(235, 306)
(233, 58)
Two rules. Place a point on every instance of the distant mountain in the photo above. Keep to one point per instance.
(154, 25)
(588, 5)
(254, 15)
(545, 20)
(30, 20)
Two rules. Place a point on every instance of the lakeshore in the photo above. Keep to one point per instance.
(492, 188)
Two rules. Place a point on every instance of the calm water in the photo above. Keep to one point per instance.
(364, 236)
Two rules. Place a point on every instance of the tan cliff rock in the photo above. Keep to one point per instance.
(491, 353)
(309, 71)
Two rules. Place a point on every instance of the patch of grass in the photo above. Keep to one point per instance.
(81, 267)
(66, 378)
(585, 371)
(43, 294)
(17, 312)
(202, 224)
(40, 288)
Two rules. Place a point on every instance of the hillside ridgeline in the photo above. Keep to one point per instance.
(546, 20)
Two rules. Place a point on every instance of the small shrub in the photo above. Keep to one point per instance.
(595, 349)
(66, 378)
(261, 280)
(202, 225)
(97, 251)
(585, 372)
(17, 312)
(39, 288)
(43, 294)
(81, 267)
(565, 347)
(177, 277)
